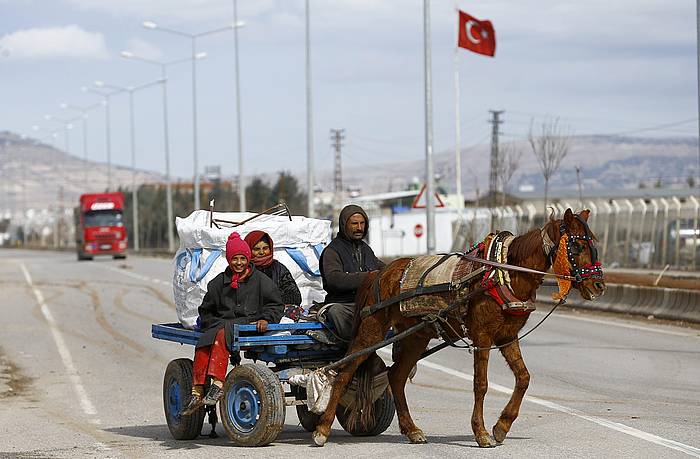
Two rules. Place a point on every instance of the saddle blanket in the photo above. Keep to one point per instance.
(452, 270)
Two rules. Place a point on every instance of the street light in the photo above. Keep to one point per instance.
(67, 126)
(51, 136)
(134, 189)
(166, 139)
(193, 39)
(108, 139)
(83, 111)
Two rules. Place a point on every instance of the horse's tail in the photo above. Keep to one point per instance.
(363, 412)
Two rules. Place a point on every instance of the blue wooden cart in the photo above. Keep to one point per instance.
(253, 406)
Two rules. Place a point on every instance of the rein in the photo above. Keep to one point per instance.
(496, 264)
(471, 348)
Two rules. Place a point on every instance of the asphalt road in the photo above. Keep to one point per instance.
(80, 376)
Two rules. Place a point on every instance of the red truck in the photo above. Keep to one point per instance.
(99, 226)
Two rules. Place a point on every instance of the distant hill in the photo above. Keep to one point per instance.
(46, 171)
(605, 161)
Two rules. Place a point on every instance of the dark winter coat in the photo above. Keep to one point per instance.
(257, 297)
(283, 279)
(345, 262)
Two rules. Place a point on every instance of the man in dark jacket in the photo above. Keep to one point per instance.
(344, 265)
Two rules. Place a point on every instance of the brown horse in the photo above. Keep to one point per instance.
(483, 321)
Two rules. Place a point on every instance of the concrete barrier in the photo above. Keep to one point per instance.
(660, 302)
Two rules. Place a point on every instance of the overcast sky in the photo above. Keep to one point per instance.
(601, 66)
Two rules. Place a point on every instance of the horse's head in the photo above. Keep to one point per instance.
(581, 253)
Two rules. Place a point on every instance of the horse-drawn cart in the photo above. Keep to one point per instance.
(256, 395)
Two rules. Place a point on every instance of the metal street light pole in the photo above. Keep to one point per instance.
(166, 136)
(430, 188)
(134, 188)
(193, 39)
(52, 136)
(108, 134)
(241, 182)
(309, 119)
(67, 126)
(84, 112)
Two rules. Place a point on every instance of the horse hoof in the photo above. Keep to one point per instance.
(485, 441)
(499, 434)
(417, 437)
(319, 439)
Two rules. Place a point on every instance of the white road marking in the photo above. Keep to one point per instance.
(624, 325)
(85, 403)
(687, 449)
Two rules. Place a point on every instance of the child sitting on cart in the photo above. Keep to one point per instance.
(239, 295)
(262, 249)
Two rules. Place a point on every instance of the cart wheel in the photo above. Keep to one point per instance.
(177, 387)
(383, 415)
(307, 419)
(252, 409)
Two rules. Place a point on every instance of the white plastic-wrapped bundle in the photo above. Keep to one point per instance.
(202, 254)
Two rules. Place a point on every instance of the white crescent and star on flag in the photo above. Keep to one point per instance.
(470, 35)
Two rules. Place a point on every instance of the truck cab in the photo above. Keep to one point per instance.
(99, 226)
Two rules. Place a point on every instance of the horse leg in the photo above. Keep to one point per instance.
(369, 337)
(522, 379)
(408, 353)
(481, 385)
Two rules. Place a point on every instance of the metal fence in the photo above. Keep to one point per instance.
(632, 233)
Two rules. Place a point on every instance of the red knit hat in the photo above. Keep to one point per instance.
(236, 246)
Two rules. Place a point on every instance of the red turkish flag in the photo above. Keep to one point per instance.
(475, 35)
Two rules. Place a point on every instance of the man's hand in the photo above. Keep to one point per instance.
(261, 325)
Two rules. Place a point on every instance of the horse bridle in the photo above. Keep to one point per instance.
(593, 270)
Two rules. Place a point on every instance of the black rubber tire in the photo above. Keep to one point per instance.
(83, 257)
(383, 415)
(119, 257)
(177, 388)
(257, 393)
(307, 419)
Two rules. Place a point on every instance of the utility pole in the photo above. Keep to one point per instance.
(337, 136)
(493, 176)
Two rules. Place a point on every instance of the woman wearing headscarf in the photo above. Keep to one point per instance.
(262, 247)
(239, 295)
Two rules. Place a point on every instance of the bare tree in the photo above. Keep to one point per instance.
(509, 161)
(550, 148)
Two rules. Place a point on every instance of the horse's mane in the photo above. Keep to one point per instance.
(524, 246)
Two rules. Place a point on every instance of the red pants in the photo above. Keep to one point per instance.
(211, 360)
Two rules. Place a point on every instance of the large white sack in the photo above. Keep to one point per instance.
(201, 256)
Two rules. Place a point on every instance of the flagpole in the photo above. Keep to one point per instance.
(458, 133)
(430, 188)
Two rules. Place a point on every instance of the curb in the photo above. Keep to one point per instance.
(660, 302)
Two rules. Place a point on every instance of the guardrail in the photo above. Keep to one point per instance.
(660, 302)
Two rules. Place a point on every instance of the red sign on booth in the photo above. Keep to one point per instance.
(418, 230)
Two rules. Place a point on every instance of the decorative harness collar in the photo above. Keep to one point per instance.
(547, 243)
(497, 281)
